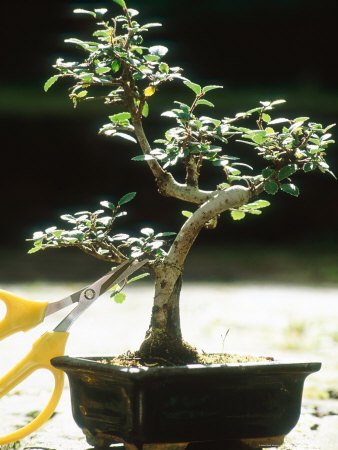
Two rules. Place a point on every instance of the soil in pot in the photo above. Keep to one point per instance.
(135, 359)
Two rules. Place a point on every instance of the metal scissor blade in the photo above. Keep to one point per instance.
(90, 294)
(75, 297)
(60, 304)
(119, 274)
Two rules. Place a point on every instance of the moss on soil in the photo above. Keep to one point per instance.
(134, 359)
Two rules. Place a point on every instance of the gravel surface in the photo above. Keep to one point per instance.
(287, 322)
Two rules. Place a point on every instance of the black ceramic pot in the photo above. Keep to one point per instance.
(255, 403)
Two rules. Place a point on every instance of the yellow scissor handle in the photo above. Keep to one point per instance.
(21, 314)
(48, 346)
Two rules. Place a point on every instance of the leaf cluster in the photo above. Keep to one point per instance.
(249, 208)
(92, 232)
(117, 67)
(193, 137)
(127, 72)
(299, 145)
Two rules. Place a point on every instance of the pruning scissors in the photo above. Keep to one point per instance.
(22, 315)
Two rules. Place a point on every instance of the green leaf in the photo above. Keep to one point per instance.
(186, 213)
(271, 187)
(164, 68)
(84, 11)
(169, 114)
(266, 117)
(259, 137)
(136, 253)
(279, 120)
(82, 94)
(138, 277)
(87, 77)
(101, 70)
(309, 166)
(126, 136)
(249, 206)
(50, 82)
(151, 58)
(290, 189)
(295, 126)
(34, 250)
(115, 66)
(255, 205)
(120, 117)
(224, 185)
(287, 171)
(101, 11)
(147, 231)
(126, 198)
(243, 165)
(262, 203)
(329, 127)
(150, 25)
(89, 46)
(38, 235)
(204, 102)
(325, 137)
(237, 215)
(209, 88)
(108, 205)
(102, 33)
(145, 110)
(75, 234)
(68, 217)
(158, 50)
(142, 158)
(133, 12)
(154, 245)
(194, 87)
(267, 172)
(120, 237)
(122, 3)
(57, 233)
(119, 297)
(278, 102)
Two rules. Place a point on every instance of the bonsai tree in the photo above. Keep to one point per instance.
(120, 69)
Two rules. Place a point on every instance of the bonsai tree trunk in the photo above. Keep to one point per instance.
(164, 338)
(164, 342)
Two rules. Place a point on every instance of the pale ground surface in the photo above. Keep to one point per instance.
(287, 322)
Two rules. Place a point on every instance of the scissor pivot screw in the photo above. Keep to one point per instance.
(89, 294)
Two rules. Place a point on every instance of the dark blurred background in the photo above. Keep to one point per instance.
(54, 162)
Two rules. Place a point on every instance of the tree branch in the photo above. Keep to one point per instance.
(221, 201)
(192, 171)
(166, 183)
(118, 259)
(153, 164)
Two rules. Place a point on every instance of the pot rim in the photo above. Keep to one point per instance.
(92, 363)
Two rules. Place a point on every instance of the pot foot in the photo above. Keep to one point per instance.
(257, 443)
(179, 446)
(236, 444)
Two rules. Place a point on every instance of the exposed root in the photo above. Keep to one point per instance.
(161, 349)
